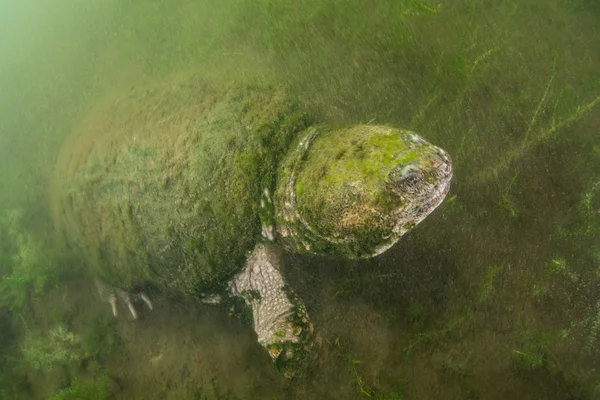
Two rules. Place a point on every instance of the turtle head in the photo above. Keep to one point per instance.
(354, 191)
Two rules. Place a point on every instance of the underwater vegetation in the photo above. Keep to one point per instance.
(57, 348)
(24, 272)
(26, 267)
(36, 339)
(96, 389)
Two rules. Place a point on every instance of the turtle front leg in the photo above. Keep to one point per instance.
(108, 294)
(280, 318)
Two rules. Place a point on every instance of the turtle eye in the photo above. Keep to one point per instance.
(405, 179)
(412, 180)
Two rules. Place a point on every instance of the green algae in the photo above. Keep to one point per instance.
(27, 268)
(86, 389)
(182, 167)
(59, 347)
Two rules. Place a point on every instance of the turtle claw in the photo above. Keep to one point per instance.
(112, 299)
(146, 300)
(126, 297)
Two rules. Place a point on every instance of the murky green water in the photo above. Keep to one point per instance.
(494, 296)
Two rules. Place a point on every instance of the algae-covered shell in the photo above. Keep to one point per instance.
(162, 185)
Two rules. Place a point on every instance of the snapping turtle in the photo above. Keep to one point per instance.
(182, 185)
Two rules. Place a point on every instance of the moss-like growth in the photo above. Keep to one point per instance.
(163, 186)
(96, 389)
(61, 347)
(26, 269)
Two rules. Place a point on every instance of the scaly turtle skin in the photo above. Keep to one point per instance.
(173, 186)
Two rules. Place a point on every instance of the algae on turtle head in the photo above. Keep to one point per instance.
(354, 191)
(172, 186)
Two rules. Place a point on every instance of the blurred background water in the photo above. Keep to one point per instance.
(495, 295)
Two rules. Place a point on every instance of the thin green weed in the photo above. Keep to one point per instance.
(27, 267)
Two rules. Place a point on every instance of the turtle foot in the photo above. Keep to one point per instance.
(109, 294)
(279, 316)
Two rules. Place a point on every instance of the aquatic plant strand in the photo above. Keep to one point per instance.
(529, 143)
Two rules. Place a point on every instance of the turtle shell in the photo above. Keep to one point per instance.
(163, 185)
